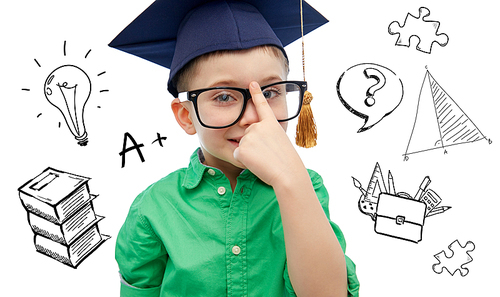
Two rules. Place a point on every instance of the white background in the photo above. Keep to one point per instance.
(138, 103)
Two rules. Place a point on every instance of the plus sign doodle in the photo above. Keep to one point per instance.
(159, 138)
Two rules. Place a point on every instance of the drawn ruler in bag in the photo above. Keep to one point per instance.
(376, 185)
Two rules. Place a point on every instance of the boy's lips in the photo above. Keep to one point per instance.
(235, 140)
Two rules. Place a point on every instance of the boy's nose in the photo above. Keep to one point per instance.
(250, 115)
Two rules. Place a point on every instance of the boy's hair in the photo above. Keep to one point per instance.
(182, 78)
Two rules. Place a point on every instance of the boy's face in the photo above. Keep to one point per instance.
(235, 69)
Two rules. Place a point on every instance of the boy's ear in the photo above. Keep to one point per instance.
(183, 116)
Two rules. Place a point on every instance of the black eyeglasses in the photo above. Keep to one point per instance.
(222, 107)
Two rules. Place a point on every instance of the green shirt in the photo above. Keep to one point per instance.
(189, 235)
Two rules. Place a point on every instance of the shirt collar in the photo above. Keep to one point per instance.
(196, 170)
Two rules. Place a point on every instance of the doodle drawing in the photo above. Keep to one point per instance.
(370, 91)
(456, 262)
(398, 214)
(400, 217)
(61, 215)
(425, 30)
(439, 121)
(369, 198)
(68, 88)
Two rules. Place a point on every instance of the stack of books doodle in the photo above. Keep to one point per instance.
(61, 215)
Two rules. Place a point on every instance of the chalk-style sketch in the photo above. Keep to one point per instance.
(425, 30)
(68, 88)
(370, 91)
(137, 146)
(398, 214)
(439, 121)
(400, 217)
(456, 261)
(61, 215)
(159, 139)
(126, 149)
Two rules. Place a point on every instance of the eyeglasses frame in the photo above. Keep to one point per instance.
(193, 97)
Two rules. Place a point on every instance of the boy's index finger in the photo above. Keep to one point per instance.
(261, 105)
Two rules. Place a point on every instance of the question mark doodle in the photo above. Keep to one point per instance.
(380, 78)
(356, 91)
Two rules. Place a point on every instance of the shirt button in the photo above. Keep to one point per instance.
(211, 172)
(236, 250)
(221, 190)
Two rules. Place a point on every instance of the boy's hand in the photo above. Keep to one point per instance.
(265, 148)
(314, 255)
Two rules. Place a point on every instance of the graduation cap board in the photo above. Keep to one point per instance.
(171, 33)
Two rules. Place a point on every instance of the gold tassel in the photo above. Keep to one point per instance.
(306, 134)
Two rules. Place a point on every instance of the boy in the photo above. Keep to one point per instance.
(245, 218)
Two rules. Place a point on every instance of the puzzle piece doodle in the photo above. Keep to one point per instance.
(459, 257)
(425, 30)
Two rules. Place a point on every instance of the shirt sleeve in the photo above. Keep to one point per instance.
(140, 255)
(352, 279)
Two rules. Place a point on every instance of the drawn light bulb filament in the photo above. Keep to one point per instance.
(70, 101)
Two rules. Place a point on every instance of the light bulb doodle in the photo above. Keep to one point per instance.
(68, 88)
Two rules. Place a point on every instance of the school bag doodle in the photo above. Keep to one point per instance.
(398, 214)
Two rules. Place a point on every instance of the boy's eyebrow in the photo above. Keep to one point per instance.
(271, 79)
(223, 83)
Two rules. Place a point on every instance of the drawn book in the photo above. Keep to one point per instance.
(68, 231)
(74, 253)
(61, 215)
(55, 195)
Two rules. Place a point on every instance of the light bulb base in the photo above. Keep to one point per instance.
(82, 140)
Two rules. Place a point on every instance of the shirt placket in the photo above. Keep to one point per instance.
(236, 247)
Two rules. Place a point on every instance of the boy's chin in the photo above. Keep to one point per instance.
(238, 164)
(224, 160)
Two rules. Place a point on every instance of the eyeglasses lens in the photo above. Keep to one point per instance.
(222, 107)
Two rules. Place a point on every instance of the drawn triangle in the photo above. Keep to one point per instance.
(439, 121)
(377, 190)
(376, 185)
(425, 133)
(455, 126)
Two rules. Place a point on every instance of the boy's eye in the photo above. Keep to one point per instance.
(224, 97)
(270, 93)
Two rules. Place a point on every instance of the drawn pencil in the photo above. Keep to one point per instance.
(438, 210)
(390, 179)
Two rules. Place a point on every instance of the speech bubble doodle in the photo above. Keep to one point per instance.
(370, 91)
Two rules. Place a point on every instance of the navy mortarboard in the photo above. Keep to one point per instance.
(173, 32)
